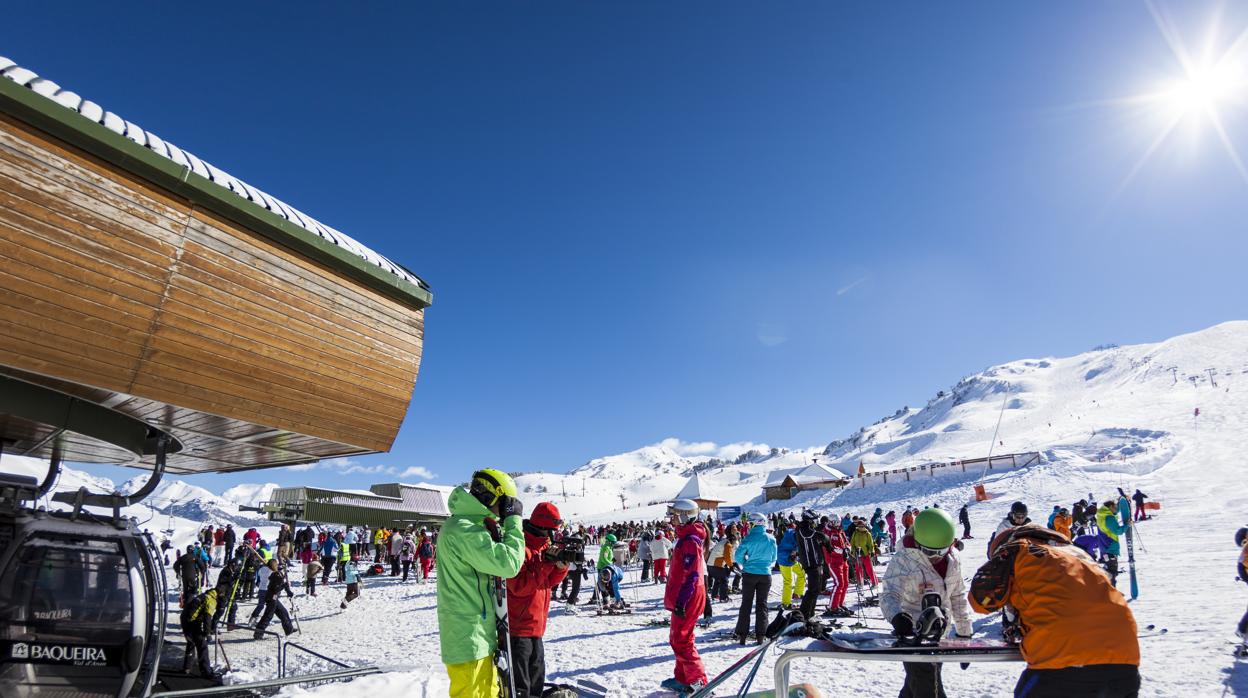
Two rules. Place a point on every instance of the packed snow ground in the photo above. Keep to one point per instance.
(1117, 417)
(1108, 418)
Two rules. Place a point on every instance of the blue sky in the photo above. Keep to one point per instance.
(711, 221)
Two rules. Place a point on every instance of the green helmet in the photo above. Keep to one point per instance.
(934, 529)
(610, 538)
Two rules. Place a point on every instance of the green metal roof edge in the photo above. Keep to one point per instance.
(38, 111)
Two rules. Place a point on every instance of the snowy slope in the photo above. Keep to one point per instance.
(1104, 419)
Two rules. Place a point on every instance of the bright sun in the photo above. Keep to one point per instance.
(1203, 91)
(1210, 89)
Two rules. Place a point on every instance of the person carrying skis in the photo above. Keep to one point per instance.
(196, 619)
(792, 576)
(473, 547)
(812, 546)
(1016, 517)
(1111, 530)
(272, 604)
(660, 550)
(1057, 593)
(228, 582)
(922, 587)
(964, 518)
(685, 595)
(528, 600)
(756, 555)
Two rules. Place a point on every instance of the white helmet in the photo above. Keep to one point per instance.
(757, 519)
(685, 510)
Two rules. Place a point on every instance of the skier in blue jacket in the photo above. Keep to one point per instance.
(792, 575)
(756, 555)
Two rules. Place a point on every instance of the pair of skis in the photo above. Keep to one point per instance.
(1124, 509)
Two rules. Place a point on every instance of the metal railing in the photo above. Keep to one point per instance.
(324, 677)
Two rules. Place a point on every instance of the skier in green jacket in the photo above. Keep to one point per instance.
(473, 547)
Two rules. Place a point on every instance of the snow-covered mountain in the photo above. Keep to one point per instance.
(249, 495)
(1123, 403)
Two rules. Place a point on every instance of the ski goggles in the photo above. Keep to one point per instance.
(933, 552)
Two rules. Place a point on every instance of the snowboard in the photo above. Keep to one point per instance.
(884, 647)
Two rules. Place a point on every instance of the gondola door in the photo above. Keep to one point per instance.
(74, 612)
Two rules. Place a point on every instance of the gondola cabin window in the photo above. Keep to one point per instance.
(65, 590)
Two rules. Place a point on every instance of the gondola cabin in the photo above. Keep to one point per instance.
(159, 313)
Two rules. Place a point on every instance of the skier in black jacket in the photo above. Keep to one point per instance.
(230, 538)
(964, 518)
(188, 570)
(277, 583)
(229, 582)
(811, 545)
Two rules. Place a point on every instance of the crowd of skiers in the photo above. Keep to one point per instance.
(261, 570)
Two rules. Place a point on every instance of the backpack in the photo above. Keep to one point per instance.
(426, 549)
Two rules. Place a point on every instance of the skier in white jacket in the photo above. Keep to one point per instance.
(660, 550)
(923, 587)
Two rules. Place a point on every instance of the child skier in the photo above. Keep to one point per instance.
(922, 587)
(1054, 591)
(351, 576)
(528, 601)
(685, 595)
(660, 550)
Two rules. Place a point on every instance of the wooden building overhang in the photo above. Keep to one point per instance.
(139, 285)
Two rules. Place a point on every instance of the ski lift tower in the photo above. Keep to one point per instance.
(158, 313)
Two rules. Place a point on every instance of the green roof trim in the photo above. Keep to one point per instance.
(46, 115)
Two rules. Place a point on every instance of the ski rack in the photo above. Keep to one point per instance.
(781, 672)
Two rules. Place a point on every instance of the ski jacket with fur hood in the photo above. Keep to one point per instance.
(910, 575)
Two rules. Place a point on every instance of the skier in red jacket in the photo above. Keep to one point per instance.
(685, 595)
(837, 559)
(528, 600)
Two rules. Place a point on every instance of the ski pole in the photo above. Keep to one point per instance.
(224, 656)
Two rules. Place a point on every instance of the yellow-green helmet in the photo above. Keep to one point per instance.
(488, 484)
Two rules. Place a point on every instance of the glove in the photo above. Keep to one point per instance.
(903, 625)
(509, 506)
(679, 611)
